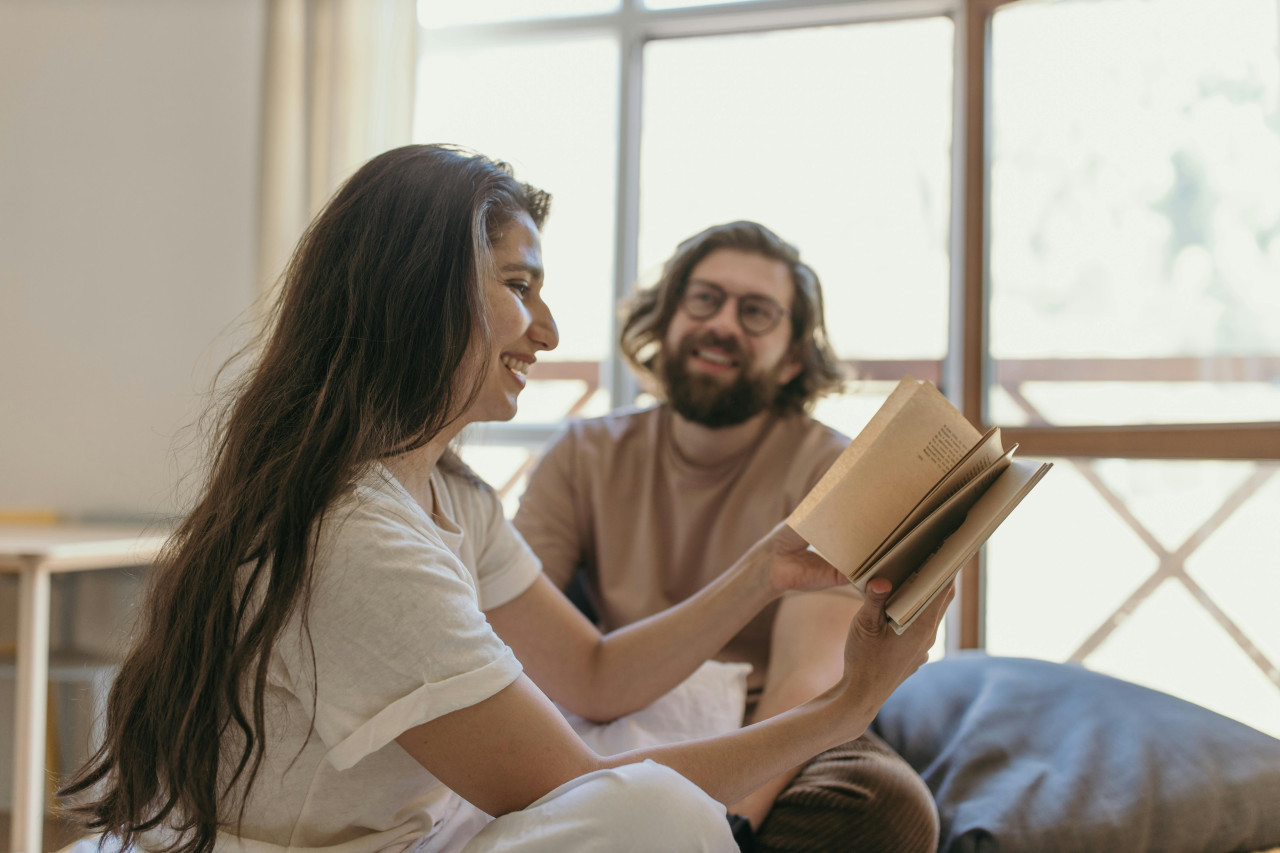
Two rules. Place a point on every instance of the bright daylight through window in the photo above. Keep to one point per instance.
(1128, 231)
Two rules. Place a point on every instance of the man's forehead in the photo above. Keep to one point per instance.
(741, 271)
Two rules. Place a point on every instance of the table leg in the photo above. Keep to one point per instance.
(31, 706)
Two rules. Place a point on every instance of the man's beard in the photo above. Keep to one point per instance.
(709, 402)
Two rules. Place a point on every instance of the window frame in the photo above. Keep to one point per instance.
(1259, 441)
(966, 369)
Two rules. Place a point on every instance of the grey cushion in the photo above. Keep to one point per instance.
(1026, 755)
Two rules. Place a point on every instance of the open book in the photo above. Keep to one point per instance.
(913, 498)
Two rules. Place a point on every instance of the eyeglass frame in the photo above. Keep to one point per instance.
(743, 300)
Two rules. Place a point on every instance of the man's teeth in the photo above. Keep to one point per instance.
(515, 364)
(714, 357)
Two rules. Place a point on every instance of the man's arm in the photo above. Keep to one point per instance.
(806, 657)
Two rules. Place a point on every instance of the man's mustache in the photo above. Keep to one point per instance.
(729, 345)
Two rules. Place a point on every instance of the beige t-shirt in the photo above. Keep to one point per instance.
(649, 528)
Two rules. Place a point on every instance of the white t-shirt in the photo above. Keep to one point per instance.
(400, 638)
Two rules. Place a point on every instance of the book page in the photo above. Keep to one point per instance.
(907, 448)
(914, 548)
(984, 454)
(983, 518)
(905, 390)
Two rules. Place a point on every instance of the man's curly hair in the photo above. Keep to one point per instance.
(648, 314)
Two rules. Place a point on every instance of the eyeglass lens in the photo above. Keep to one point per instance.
(757, 314)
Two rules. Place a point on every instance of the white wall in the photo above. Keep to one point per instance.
(128, 178)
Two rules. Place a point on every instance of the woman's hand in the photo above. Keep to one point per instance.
(877, 659)
(793, 566)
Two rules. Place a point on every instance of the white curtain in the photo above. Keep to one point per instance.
(338, 90)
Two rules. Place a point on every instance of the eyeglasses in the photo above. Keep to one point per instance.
(758, 314)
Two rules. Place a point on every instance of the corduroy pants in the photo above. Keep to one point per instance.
(861, 796)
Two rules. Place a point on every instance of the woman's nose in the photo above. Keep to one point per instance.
(543, 331)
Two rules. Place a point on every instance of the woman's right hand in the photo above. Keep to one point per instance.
(877, 659)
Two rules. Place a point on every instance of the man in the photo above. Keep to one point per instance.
(651, 505)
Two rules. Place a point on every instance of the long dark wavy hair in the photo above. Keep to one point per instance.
(376, 312)
(649, 313)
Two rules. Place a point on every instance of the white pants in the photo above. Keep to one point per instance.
(637, 807)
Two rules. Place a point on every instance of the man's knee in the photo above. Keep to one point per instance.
(858, 796)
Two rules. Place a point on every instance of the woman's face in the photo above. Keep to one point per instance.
(520, 323)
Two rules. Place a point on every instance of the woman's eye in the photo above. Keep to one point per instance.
(520, 287)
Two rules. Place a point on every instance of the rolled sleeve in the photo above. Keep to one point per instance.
(428, 702)
(395, 636)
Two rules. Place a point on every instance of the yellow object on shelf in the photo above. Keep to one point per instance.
(28, 516)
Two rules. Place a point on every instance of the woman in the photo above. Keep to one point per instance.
(345, 636)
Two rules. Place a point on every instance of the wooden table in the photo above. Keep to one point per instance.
(35, 554)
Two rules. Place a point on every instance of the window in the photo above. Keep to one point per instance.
(548, 106)
(1066, 215)
(608, 110)
(1135, 218)
(1135, 281)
